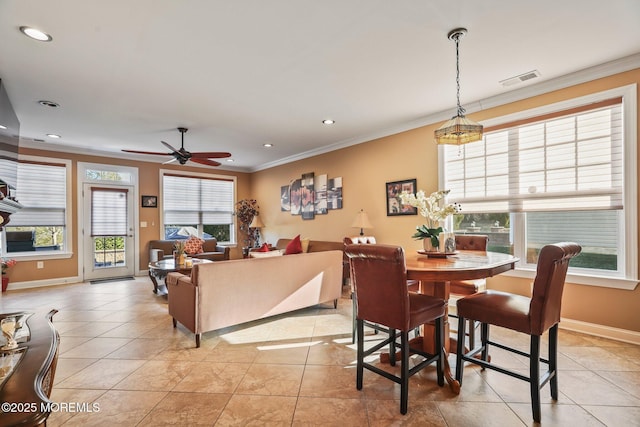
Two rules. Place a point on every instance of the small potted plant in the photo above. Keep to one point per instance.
(6, 264)
(179, 248)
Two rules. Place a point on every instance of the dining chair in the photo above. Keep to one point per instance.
(460, 288)
(379, 277)
(413, 285)
(529, 315)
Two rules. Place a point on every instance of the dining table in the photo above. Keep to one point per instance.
(435, 272)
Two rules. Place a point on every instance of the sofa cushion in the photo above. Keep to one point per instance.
(294, 246)
(305, 244)
(193, 245)
(268, 254)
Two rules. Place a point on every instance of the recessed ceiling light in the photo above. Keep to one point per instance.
(3, 127)
(36, 34)
(328, 121)
(268, 145)
(53, 135)
(230, 160)
(49, 104)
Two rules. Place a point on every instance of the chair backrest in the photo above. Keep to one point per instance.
(472, 242)
(553, 262)
(379, 277)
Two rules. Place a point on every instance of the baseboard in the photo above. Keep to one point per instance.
(43, 283)
(609, 332)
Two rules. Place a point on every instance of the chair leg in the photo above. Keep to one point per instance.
(553, 361)
(353, 311)
(484, 338)
(460, 349)
(404, 372)
(360, 354)
(534, 376)
(440, 350)
(472, 334)
(392, 347)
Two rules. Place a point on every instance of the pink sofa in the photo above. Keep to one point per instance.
(222, 294)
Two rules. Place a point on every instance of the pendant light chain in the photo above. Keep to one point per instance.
(460, 109)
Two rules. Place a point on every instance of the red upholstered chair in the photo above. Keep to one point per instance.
(379, 277)
(458, 288)
(532, 316)
(413, 285)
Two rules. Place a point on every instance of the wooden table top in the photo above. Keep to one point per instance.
(464, 265)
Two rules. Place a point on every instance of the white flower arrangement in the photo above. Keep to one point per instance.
(430, 208)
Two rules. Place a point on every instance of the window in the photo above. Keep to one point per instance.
(201, 204)
(550, 175)
(41, 225)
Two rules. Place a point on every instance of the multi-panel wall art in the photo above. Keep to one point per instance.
(311, 195)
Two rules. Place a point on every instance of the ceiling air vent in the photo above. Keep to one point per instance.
(521, 78)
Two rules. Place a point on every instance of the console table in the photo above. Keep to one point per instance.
(26, 373)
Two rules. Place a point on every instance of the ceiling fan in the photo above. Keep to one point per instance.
(183, 156)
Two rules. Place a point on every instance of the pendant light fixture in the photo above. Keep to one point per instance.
(459, 130)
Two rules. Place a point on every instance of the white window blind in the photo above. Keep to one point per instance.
(194, 200)
(568, 161)
(108, 212)
(42, 190)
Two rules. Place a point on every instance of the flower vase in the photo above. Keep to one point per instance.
(179, 259)
(428, 247)
(5, 283)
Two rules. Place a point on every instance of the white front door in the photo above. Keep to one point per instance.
(108, 232)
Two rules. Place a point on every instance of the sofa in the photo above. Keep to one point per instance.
(320, 246)
(212, 251)
(222, 294)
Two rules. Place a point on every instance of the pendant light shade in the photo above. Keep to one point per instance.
(459, 130)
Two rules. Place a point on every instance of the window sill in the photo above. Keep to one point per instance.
(581, 279)
(38, 255)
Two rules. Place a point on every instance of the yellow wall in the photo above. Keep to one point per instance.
(365, 168)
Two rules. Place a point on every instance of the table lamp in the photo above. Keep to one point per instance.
(362, 222)
(257, 224)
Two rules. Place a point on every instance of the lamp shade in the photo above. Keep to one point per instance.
(362, 221)
(256, 222)
(457, 131)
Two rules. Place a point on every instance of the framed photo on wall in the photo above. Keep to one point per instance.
(393, 190)
(149, 201)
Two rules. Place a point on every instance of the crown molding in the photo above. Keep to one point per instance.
(606, 69)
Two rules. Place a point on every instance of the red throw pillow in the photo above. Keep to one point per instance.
(193, 245)
(263, 248)
(294, 246)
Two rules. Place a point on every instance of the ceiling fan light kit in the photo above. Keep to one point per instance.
(182, 156)
(459, 130)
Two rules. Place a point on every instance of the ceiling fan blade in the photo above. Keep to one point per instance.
(166, 144)
(175, 159)
(148, 152)
(205, 162)
(211, 155)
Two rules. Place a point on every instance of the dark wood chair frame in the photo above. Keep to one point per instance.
(405, 351)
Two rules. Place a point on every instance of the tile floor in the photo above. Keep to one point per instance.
(119, 350)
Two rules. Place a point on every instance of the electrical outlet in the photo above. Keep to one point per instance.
(40, 264)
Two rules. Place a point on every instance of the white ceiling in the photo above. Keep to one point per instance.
(239, 74)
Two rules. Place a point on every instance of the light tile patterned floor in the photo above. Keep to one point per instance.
(119, 349)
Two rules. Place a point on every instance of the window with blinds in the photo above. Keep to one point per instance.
(569, 162)
(42, 191)
(205, 204)
(108, 212)
(544, 179)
